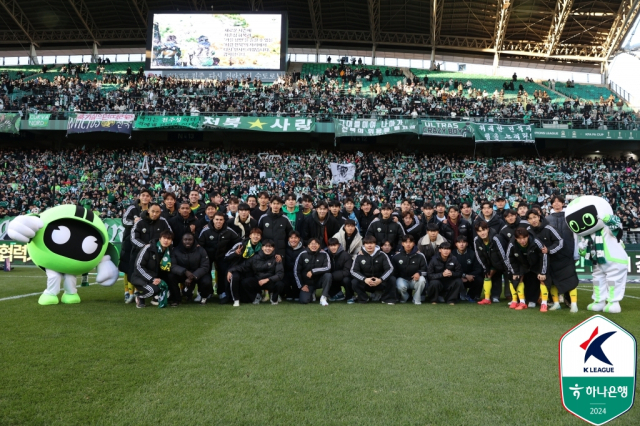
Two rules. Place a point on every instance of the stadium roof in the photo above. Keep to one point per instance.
(567, 30)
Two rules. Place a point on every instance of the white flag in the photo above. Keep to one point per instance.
(342, 172)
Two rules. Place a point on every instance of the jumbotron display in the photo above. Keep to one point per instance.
(220, 41)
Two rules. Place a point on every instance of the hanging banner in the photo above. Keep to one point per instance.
(620, 135)
(39, 121)
(455, 129)
(342, 172)
(264, 124)
(89, 123)
(167, 122)
(373, 127)
(10, 123)
(503, 133)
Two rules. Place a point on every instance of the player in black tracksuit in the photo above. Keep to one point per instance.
(129, 218)
(149, 227)
(472, 274)
(148, 272)
(445, 276)
(341, 262)
(276, 226)
(262, 272)
(385, 229)
(507, 233)
(191, 268)
(312, 270)
(217, 239)
(371, 271)
(410, 270)
(491, 256)
(411, 225)
(238, 254)
(528, 264)
(294, 248)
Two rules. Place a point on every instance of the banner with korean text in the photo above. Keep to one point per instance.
(485, 133)
(373, 127)
(89, 123)
(264, 124)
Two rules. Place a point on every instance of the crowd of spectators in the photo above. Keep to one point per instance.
(108, 180)
(344, 92)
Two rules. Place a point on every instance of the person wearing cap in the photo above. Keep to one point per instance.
(349, 238)
(242, 223)
(312, 270)
(276, 226)
(371, 271)
(262, 272)
(500, 204)
(385, 229)
(292, 211)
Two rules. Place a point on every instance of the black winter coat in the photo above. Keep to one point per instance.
(290, 258)
(415, 228)
(530, 259)
(194, 260)
(495, 223)
(261, 266)
(437, 267)
(492, 257)
(276, 227)
(365, 220)
(232, 258)
(373, 265)
(386, 230)
(313, 228)
(217, 242)
(318, 263)
(468, 261)
(340, 265)
(561, 270)
(406, 265)
(181, 226)
(464, 228)
(247, 226)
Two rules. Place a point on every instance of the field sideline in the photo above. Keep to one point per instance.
(106, 363)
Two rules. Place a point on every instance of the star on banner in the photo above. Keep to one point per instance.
(257, 123)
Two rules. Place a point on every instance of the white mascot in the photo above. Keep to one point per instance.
(600, 231)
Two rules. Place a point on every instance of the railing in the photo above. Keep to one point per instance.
(328, 117)
(621, 92)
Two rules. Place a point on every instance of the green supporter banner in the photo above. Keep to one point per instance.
(620, 135)
(167, 122)
(10, 123)
(455, 129)
(503, 133)
(39, 121)
(372, 127)
(261, 124)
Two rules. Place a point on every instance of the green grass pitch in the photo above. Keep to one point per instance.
(106, 363)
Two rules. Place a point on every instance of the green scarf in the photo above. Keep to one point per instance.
(250, 251)
(595, 248)
(164, 294)
(165, 265)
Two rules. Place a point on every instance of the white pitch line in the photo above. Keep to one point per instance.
(20, 296)
(586, 289)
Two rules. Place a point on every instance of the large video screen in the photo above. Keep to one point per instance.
(216, 41)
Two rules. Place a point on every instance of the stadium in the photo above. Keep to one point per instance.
(333, 212)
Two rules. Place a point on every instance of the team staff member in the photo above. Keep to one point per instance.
(410, 270)
(529, 268)
(491, 256)
(191, 268)
(341, 262)
(152, 266)
(385, 229)
(276, 227)
(129, 218)
(242, 223)
(312, 270)
(262, 272)
(185, 221)
(217, 239)
(444, 273)
(471, 270)
(371, 272)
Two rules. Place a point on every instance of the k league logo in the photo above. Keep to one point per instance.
(597, 370)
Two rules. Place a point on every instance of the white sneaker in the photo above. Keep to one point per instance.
(574, 308)
(257, 299)
(416, 303)
(198, 298)
(495, 300)
(561, 298)
(532, 304)
(555, 307)
(131, 299)
(323, 301)
(236, 303)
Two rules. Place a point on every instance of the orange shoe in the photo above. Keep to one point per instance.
(484, 302)
(513, 305)
(543, 308)
(521, 306)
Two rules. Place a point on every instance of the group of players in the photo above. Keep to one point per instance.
(277, 249)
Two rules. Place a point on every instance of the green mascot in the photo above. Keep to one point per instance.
(66, 241)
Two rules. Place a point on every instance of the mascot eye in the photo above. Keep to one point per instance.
(61, 235)
(89, 245)
(588, 219)
(574, 226)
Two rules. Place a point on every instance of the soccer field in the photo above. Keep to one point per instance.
(106, 363)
